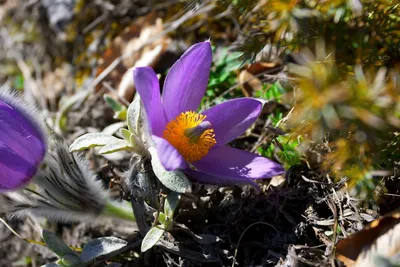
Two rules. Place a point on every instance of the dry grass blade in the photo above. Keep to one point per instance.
(17, 235)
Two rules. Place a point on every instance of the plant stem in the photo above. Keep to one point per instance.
(121, 210)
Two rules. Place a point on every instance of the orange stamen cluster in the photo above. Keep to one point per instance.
(192, 149)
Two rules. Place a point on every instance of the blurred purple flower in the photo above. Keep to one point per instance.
(185, 138)
(23, 142)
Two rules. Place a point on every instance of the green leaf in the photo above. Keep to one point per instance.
(119, 108)
(59, 263)
(136, 144)
(137, 122)
(173, 180)
(71, 260)
(55, 244)
(151, 238)
(115, 146)
(101, 247)
(18, 83)
(126, 135)
(170, 204)
(92, 140)
(161, 218)
(112, 103)
(113, 128)
(133, 116)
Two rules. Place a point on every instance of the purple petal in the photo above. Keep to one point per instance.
(15, 170)
(22, 143)
(187, 80)
(232, 162)
(168, 155)
(148, 87)
(231, 118)
(206, 178)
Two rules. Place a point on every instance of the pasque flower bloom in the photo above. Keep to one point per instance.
(23, 142)
(195, 142)
(69, 191)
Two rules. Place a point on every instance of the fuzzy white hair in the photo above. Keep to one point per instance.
(67, 190)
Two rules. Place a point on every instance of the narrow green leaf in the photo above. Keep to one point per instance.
(55, 244)
(118, 145)
(161, 218)
(145, 131)
(119, 108)
(113, 128)
(113, 104)
(170, 204)
(121, 115)
(126, 134)
(92, 140)
(151, 238)
(133, 116)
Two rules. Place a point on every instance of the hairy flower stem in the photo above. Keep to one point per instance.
(123, 211)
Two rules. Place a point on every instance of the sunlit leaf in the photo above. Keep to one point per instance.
(115, 146)
(92, 140)
(133, 115)
(151, 238)
(101, 247)
(171, 203)
(174, 180)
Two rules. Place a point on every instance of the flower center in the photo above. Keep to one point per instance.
(190, 135)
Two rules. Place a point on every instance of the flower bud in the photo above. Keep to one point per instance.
(23, 142)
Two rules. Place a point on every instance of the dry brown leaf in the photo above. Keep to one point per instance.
(387, 246)
(249, 82)
(381, 237)
(277, 181)
(259, 67)
(129, 41)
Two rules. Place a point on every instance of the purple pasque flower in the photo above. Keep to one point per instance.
(23, 142)
(187, 139)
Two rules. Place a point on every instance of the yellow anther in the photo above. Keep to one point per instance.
(192, 137)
